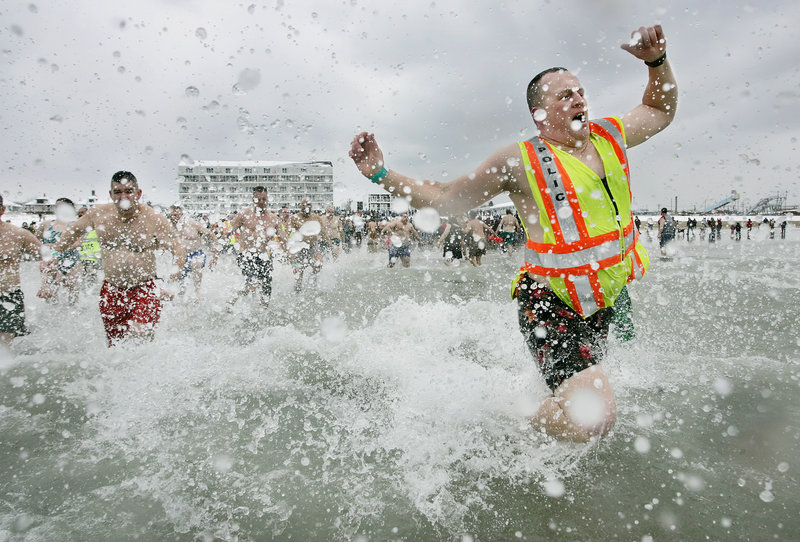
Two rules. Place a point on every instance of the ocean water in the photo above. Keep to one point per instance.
(391, 404)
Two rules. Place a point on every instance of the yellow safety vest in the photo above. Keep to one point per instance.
(90, 248)
(591, 248)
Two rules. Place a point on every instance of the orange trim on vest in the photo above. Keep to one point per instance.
(587, 269)
(548, 205)
(580, 244)
(599, 130)
(573, 296)
(597, 290)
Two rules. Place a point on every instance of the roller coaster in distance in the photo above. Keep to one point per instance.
(770, 205)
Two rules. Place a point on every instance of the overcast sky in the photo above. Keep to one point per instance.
(89, 88)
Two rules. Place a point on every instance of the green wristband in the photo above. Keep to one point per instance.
(379, 175)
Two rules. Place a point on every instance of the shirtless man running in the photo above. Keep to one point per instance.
(507, 228)
(401, 232)
(191, 234)
(129, 232)
(257, 227)
(14, 243)
(332, 225)
(306, 243)
(475, 238)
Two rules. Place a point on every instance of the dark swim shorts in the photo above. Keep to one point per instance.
(562, 342)
(12, 313)
(257, 270)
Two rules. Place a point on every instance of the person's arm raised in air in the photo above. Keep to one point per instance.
(493, 176)
(660, 99)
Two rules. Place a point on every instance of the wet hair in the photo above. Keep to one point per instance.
(126, 176)
(259, 189)
(508, 211)
(65, 200)
(534, 93)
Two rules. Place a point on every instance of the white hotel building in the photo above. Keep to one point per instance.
(217, 188)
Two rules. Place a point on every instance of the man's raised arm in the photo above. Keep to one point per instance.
(660, 99)
(492, 177)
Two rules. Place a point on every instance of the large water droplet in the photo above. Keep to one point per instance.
(427, 220)
(310, 228)
(553, 488)
(201, 33)
(400, 205)
(248, 80)
(641, 445)
(192, 92)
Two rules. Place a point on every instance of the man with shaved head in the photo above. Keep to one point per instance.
(570, 185)
(130, 233)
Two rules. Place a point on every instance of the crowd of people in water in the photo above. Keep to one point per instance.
(117, 241)
(571, 183)
(667, 228)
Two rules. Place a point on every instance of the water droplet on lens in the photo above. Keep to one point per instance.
(553, 488)
(427, 220)
(248, 80)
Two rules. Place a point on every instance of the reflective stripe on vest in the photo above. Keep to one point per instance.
(571, 260)
(552, 190)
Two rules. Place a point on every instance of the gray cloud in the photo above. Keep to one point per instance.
(89, 88)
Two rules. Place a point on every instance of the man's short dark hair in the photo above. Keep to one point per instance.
(535, 94)
(1, 201)
(663, 209)
(259, 189)
(125, 177)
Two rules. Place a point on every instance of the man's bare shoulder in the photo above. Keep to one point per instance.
(192, 224)
(101, 214)
(155, 218)
(13, 233)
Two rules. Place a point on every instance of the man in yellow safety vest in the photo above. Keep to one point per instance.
(571, 190)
